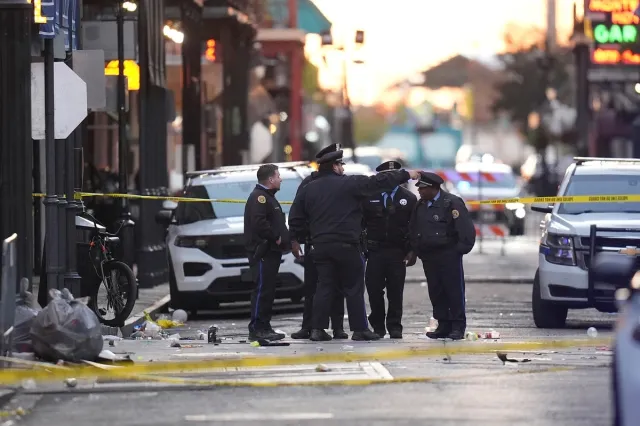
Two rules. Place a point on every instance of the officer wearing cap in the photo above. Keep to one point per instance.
(386, 222)
(331, 206)
(442, 232)
(311, 272)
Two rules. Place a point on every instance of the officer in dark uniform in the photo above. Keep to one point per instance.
(386, 222)
(311, 272)
(442, 232)
(266, 239)
(331, 205)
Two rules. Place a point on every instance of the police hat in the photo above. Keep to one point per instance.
(428, 179)
(389, 165)
(330, 154)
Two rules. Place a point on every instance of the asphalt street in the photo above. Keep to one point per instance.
(547, 386)
(557, 387)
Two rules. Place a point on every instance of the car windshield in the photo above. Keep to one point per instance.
(191, 212)
(241, 191)
(602, 185)
(501, 180)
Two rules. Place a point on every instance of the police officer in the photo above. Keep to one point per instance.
(331, 205)
(442, 232)
(266, 238)
(386, 222)
(311, 272)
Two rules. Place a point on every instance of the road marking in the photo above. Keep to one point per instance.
(233, 417)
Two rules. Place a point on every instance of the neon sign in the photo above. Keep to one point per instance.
(615, 32)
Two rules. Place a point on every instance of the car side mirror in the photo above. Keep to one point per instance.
(542, 208)
(614, 268)
(164, 217)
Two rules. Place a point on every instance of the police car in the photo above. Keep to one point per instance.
(207, 258)
(573, 233)
(621, 272)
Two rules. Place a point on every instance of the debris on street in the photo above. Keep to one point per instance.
(504, 358)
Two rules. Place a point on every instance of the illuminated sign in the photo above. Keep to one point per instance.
(131, 71)
(615, 32)
(37, 12)
(211, 53)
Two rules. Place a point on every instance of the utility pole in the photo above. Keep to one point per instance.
(16, 147)
(581, 45)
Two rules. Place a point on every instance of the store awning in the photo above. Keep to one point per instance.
(310, 19)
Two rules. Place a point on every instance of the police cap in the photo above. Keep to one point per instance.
(330, 154)
(389, 165)
(428, 179)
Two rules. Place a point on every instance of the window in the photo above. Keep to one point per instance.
(602, 185)
(190, 212)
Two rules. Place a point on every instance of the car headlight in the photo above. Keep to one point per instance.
(191, 241)
(558, 249)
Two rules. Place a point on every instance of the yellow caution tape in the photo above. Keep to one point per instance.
(524, 200)
(16, 376)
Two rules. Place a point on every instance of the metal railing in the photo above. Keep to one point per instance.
(8, 291)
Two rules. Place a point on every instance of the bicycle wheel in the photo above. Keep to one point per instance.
(115, 296)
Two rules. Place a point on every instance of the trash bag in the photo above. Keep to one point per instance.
(66, 329)
(27, 309)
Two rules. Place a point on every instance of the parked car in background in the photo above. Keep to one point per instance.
(208, 262)
(373, 156)
(498, 181)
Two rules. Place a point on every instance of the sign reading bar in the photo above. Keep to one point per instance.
(615, 32)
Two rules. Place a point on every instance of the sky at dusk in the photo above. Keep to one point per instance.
(403, 37)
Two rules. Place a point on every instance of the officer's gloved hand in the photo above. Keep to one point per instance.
(295, 249)
(410, 259)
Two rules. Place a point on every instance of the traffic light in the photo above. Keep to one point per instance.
(210, 53)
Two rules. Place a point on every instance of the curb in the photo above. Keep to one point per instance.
(138, 319)
(482, 280)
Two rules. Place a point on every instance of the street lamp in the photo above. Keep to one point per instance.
(346, 115)
(123, 145)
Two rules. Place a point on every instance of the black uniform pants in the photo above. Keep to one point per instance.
(385, 270)
(265, 275)
(445, 279)
(340, 269)
(311, 285)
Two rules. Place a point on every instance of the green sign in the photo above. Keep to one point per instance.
(605, 34)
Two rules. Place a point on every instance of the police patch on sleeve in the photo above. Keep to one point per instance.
(455, 213)
(403, 202)
(263, 200)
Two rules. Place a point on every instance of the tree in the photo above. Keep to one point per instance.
(528, 72)
(369, 125)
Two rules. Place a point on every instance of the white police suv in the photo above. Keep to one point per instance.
(573, 233)
(207, 258)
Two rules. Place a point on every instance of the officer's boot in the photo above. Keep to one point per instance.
(301, 334)
(365, 335)
(319, 335)
(340, 334)
(457, 332)
(442, 332)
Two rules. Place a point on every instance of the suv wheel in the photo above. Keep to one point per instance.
(546, 314)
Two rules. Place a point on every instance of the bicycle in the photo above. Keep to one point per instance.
(117, 278)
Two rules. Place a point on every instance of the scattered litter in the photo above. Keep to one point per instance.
(603, 348)
(28, 384)
(470, 335)
(504, 358)
(511, 314)
(212, 335)
(423, 284)
(189, 346)
(66, 329)
(433, 324)
(201, 335)
(71, 382)
(152, 328)
(588, 357)
(347, 348)
(255, 344)
(319, 349)
(179, 316)
(174, 337)
(233, 323)
(492, 334)
(174, 344)
(501, 313)
(592, 332)
(265, 342)
(321, 368)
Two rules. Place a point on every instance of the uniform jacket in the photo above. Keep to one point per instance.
(264, 220)
(444, 225)
(331, 204)
(389, 225)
